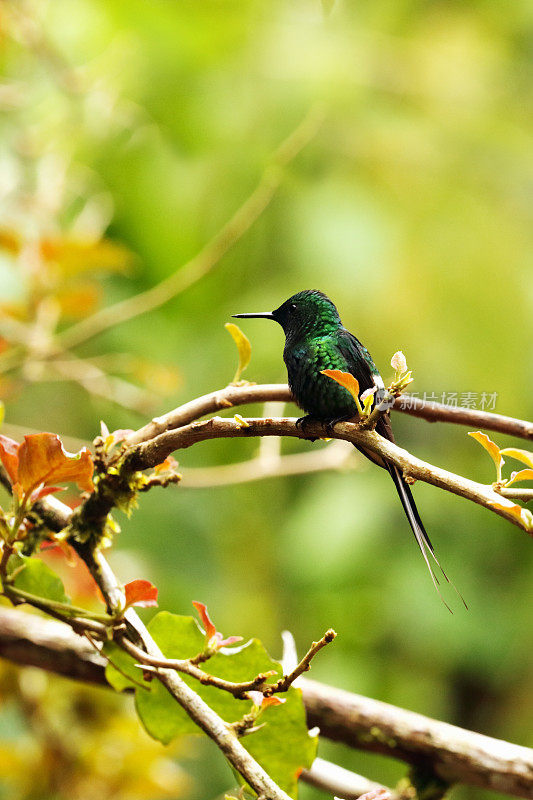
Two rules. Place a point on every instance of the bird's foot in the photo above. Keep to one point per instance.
(303, 422)
(330, 423)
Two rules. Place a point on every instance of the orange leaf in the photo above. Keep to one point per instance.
(490, 447)
(210, 629)
(521, 455)
(9, 457)
(42, 460)
(345, 379)
(140, 593)
(523, 475)
(165, 466)
(514, 510)
(271, 701)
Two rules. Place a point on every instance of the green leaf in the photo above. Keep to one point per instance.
(162, 717)
(35, 577)
(118, 678)
(283, 747)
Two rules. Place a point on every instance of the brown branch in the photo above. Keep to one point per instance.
(455, 754)
(220, 400)
(30, 640)
(238, 690)
(305, 664)
(213, 251)
(153, 452)
(260, 393)
(439, 412)
(518, 495)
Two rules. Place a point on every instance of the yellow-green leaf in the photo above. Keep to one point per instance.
(523, 475)
(243, 346)
(525, 456)
(492, 449)
(36, 577)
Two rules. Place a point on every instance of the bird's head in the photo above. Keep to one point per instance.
(305, 313)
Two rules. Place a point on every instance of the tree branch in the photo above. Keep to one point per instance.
(439, 412)
(150, 453)
(287, 680)
(260, 393)
(455, 754)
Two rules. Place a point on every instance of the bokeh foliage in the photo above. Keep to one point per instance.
(131, 131)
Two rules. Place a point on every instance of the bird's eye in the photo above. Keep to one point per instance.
(293, 306)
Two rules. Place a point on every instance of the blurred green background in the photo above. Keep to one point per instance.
(148, 124)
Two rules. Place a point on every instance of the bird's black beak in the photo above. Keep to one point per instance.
(263, 314)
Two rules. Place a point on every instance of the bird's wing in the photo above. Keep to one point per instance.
(363, 368)
(359, 360)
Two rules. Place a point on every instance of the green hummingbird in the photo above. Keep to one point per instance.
(315, 340)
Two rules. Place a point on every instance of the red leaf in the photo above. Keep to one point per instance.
(210, 629)
(140, 593)
(212, 636)
(9, 457)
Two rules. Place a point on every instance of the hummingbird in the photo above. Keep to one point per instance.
(316, 340)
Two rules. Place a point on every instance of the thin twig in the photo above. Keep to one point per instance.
(238, 690)
(287, 680)
(519, 495)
